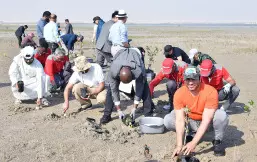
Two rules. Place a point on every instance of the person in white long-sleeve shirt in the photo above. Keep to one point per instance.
(51, 33)
(94, 33)
(29, 70)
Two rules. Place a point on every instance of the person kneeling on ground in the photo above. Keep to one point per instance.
(172, 70)
(28, 41)
(68, 41)
(86, 82)
(214, 74)
(202, 102)
(197, 57)
(176, 54)
(42, 51)
(54, 68)
(28, 78)
(127, 66)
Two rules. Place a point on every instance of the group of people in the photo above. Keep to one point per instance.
(47, 28)
(194, 80)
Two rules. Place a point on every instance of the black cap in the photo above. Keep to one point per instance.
(96, 18)
(167, 49)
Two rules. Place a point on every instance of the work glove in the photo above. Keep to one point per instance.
(226, 88)
(121, 115)
(133, 114)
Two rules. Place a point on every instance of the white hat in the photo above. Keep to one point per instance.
(28, 52)
(122, 13)
(192, 53)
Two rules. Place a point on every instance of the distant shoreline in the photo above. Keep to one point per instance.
(149, 24)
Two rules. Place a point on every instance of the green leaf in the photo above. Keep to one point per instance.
(251, 102)
(247, 108)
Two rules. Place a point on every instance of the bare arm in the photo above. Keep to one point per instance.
(179, 58)
(231, 81)
(180, 126)
(66, 96)
(99, 89)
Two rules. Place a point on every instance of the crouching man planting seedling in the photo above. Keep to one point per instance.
(202, 102)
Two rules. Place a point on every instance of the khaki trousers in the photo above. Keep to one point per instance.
(76, 91)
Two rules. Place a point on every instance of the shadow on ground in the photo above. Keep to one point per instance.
(5, 85)
(233, 138)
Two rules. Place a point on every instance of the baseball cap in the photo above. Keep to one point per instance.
(192, 72)
(192, 53)
(167, 49)
(206, 67)
(28, 52)
(167, 65)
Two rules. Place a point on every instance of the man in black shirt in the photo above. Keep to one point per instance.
(20, 32)
(176, 53)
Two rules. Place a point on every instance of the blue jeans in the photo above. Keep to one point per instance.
(59, 79)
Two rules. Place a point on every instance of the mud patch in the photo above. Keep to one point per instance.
(113, 135)
(20, 108)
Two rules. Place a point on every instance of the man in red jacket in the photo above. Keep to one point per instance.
(42, 51)
(215, 75)
(172, 70)
(54, 67)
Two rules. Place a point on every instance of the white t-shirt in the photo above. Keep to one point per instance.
(92, 78)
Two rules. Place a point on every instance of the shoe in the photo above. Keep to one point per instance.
(105, 119)
(45, 102)
(86, 106)
(218, 148)
(17, 102)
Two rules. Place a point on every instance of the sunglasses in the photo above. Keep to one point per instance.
(85, 71)
(29, 61)
(190, 80)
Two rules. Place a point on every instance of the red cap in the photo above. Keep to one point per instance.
(167, 65)
(205, 68)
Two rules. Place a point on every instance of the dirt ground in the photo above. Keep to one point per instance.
(27, 134)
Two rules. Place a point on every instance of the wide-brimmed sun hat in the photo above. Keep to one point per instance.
(81, 64)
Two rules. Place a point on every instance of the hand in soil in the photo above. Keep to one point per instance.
(190, 147)
(177, 151)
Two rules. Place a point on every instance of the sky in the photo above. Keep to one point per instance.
(139, 11)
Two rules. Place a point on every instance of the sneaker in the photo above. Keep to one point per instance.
(218, 148)
(105, 119)
(45, 102)
(17, 102)
(86, 106)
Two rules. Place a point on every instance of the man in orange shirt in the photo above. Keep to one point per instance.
(172, 70)
(202, 102)
(214, 75)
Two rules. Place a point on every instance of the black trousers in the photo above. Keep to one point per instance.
(19, 41)
(148, 104)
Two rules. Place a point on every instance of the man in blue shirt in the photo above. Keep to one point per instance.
(70, 39)
(41, 23)
(119, 33)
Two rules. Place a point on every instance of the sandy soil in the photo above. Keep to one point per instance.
(27, 134)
